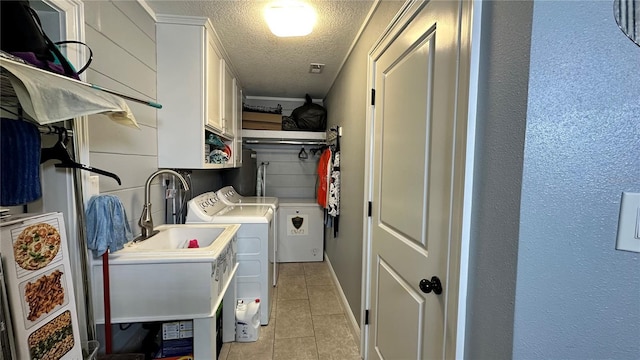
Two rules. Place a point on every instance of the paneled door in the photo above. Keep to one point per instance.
(415, 77)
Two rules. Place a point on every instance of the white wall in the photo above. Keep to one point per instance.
(500, 130)
(576, 296)
(557, 142)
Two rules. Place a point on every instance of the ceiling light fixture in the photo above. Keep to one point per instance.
(290, 18)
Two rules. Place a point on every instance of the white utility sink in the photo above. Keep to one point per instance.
(160, 278)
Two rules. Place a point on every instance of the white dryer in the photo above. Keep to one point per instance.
(230, 196)
(256, 243)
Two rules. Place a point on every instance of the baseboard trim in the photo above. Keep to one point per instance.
(351, 319)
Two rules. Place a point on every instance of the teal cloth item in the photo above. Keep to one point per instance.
(107, 224)
(215, 141)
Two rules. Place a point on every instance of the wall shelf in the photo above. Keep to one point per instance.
(47, 97)
(275, 135)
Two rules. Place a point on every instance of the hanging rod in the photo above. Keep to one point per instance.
(51, 130)
(283, 142)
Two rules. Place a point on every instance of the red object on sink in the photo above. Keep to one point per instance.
(193, 244)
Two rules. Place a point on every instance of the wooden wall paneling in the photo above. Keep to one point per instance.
(113, 61)
(110, 137)
(144, 114)
(287, 175)
(139, 16)
(125, 33)
(133, 170)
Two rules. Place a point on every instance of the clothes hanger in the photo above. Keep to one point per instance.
(303, 154)
(59, 152)
(318, 150)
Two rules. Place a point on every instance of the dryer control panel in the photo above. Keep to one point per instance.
(229, 193)
(204, 206)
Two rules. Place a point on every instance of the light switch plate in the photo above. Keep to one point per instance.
(94, 185)
(629, 223)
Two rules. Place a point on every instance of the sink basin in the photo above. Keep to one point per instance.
(171, 243)
(161, 279)
(173, 237)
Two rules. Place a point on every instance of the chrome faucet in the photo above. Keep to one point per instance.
(146, 222)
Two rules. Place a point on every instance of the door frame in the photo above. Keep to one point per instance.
(469, 14)
(72, 27)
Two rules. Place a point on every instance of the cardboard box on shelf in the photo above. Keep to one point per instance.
(261, 117)
(257, 125)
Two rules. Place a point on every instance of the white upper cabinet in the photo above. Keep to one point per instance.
(214, 86)
(237, 120)
(228, 95)
(192, 76)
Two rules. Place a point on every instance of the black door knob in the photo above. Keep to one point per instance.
(434, 285)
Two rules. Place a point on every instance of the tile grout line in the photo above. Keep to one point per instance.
(315, 338)
(306, 287)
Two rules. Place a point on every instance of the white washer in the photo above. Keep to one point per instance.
(256, 243)
(230, 196)
(300, 231)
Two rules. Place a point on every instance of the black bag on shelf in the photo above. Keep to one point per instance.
(289, 124)
(22, 35)
(310, 116)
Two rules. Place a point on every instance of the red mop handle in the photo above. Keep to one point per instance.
(107, 301)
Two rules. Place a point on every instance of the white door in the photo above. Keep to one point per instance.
(414, 72)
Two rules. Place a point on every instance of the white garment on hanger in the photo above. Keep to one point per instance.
(259, 180)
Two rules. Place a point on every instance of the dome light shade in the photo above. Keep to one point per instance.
(290, 18)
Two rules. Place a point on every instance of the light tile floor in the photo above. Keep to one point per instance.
(307, 320)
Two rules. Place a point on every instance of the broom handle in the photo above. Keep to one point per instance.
(150, 103)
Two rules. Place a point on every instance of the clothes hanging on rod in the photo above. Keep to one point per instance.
(324, 177)
(59, 152)
(261, 181)
(333, 206)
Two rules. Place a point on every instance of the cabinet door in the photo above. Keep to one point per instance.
(213, 87)
(228, 95)
(237, 121)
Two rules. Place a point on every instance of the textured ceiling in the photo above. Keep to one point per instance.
(267, 65)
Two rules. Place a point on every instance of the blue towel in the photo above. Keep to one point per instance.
(107, 224)
(19, 162)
